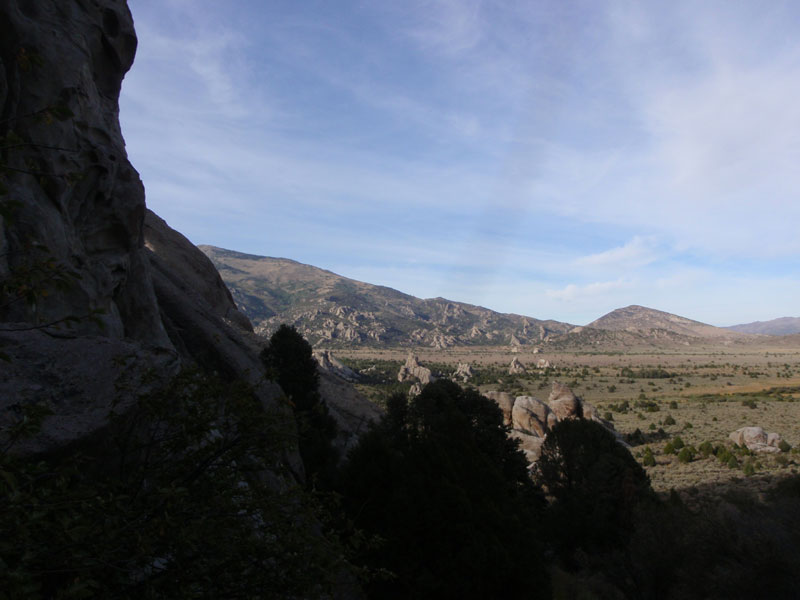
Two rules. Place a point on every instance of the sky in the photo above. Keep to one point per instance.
(553, 158)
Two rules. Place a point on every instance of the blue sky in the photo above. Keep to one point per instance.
(558, 159)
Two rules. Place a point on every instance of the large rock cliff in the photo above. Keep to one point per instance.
(95, 291)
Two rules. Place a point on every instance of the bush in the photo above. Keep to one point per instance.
(749, 468)
(732, 462)
(784, 446)
(677, 442)
(648, 460)
(706, 449)
(669, 448)
(687, 454)
(669, 420)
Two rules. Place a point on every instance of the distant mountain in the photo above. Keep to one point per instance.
(332, 310)
(642, 319)
(781, 326)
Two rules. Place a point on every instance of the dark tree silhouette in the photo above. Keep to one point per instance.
(289, 361)
(449, 494)
(595, 484)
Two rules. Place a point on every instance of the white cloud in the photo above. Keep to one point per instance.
(638, 252)
(588, 292)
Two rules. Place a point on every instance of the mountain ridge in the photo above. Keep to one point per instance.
(781, 326)
(334, 310)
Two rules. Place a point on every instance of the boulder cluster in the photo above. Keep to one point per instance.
(756, 439)
(531, 419)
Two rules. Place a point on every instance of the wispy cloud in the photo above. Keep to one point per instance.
(638, 252)
(545, 155)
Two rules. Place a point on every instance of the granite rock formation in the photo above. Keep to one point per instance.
(105, 307)
(413, 371)
(530, 419)
(516, 367)
(756, 439)
(463, 373)
(329, 363)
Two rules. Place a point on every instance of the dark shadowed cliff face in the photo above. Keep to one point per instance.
(75, 193)
(87, 312)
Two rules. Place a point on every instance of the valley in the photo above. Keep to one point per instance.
(650, 397)
(660, 379)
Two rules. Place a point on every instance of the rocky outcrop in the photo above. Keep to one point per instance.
(530, 419)
(109, 318)
(330, 364)
(413, 371)
(463, 373)
(516, 367)
(542, 364)
(532, 416)
(506, 403)
(350, 409)
(564, 404)
(199, 315)
(78, 202)
(756, 439)
(79, 379)
(199, 280)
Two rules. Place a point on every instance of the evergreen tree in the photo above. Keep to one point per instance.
(289, 361)
(441, 484)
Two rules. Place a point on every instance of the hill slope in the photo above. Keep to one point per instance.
(336, 311)
(781, 326)
(640, 319)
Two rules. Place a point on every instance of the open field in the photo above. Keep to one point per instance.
(701, 396)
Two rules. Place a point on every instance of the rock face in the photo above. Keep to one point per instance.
(329, 363)
(531, 419)
(77, 237)
(516, 367)
(506, 403)
(564, 403)
(756, 439)
(197, 311)
(79, 197)
(413, 371)
(350, 409)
